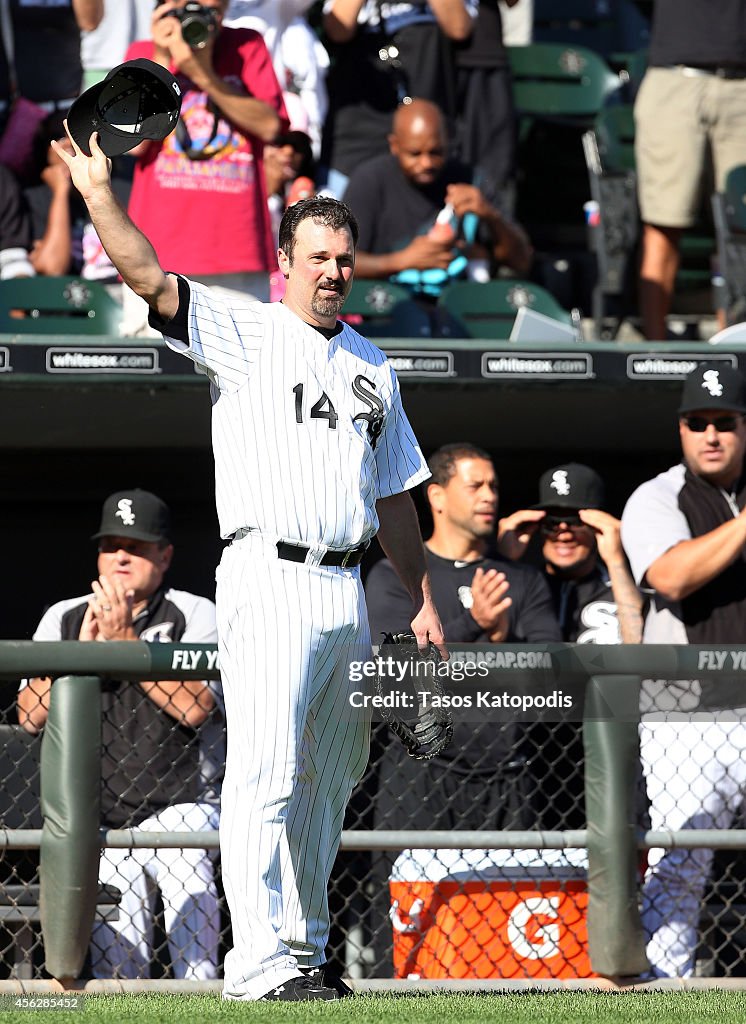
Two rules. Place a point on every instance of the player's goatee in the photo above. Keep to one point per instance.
(328, 305)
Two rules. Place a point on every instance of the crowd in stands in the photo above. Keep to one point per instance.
(404, 111)
(339, 79)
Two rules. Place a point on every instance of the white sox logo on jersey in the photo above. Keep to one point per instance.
(374, 414)
(324, 409)
(601, 622)
(161, 633)
(124, 511)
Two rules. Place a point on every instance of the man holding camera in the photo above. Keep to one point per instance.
(200, 195)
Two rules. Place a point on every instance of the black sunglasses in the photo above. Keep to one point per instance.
(723, 424)
(551, 523)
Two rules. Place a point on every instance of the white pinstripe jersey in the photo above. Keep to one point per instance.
(308, 432)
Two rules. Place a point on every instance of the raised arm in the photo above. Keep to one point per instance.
(128, 248)
(627, 597)
(422, 253)
(399, 536)
(514, 532)
(52, 253)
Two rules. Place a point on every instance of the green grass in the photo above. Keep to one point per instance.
(524, 1008)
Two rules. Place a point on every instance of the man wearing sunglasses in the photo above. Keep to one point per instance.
(595, 600)
(684, 532)
(594, 596)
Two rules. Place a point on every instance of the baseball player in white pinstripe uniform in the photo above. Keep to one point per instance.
(313, 456)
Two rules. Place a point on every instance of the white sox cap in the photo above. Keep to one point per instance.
(135, 513)
(137, 100)
(714, 386)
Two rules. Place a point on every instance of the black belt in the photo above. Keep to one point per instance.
(717, 72)
(342, 559)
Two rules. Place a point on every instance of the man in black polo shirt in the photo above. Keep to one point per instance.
(691, 105)
(484, 779)
(162, 743)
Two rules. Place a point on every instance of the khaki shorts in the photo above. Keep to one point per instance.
(681, 121)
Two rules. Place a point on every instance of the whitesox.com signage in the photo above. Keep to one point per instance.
(111, 359)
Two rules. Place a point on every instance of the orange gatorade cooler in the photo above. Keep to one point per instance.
(490, 914)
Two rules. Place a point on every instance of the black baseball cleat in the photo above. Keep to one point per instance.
(299, 989)
(324, 975)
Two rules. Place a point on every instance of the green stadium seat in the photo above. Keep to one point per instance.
(382, 309)
(558, 91)
(57, 305)
(556, 80)
(613, 28)
(488, 310)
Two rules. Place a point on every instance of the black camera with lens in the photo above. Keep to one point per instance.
(198, 23)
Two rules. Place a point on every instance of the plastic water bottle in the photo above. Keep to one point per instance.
(444, 228)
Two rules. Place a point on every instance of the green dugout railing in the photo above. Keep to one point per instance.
(608, 678)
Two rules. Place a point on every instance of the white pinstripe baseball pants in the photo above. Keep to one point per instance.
(287, 633)
(696, 778)
(123, 948)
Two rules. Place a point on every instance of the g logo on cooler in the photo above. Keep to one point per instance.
(547, 941)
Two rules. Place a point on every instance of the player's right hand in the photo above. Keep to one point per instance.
(88, 173)
(427, 628)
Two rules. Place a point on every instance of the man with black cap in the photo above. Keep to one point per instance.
(595, 600)
(685, 534)
(160, 743)
(594, 596)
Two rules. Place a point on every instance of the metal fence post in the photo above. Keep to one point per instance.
(611, 742)
(70, 802)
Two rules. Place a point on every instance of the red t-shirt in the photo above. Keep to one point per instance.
(210, 216)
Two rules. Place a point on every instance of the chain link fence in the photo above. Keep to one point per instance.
(428, 913)
(466, 914)
(20, 941)
(693, 753)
